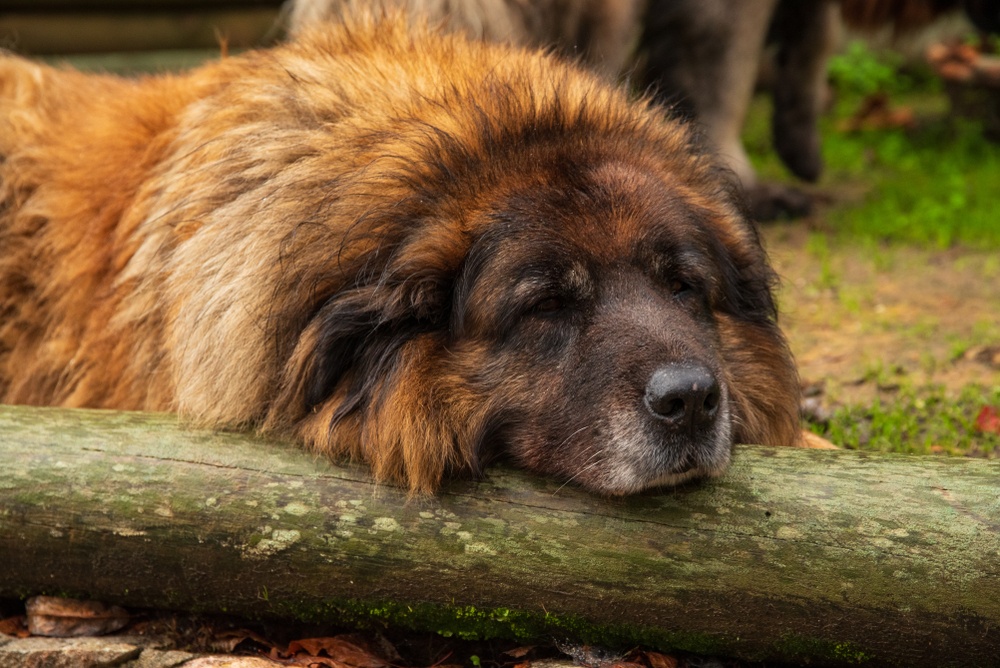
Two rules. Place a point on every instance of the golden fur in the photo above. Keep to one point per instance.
(323, 240)
(603, 33)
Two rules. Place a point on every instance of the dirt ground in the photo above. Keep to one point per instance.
(861, 318)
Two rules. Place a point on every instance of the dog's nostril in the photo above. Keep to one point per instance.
(683, 395)
(671, 408)
(711, 403)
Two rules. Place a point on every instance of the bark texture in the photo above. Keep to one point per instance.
(838, 557)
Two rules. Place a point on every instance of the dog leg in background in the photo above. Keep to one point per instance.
(807, 32)
(703, 58)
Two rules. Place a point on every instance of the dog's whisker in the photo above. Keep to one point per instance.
(590, 464)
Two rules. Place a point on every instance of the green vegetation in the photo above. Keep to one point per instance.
(931, 190)
(916, 420)
(857, 71)
(468, 623)
(934, 185)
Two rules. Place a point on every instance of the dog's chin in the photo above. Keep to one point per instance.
(674, 479)
(639, 460)
(639, 482)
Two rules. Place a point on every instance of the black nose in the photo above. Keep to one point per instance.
(683, 395)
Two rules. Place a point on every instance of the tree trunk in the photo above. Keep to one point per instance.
(833, 556)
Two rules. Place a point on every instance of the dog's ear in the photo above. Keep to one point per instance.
(334, 339)
(354, 340)
(366, 380)
(747, 281)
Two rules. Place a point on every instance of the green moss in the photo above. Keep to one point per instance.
(471, 623)
(794, 646)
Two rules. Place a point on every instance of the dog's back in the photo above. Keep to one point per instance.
(392, 244)
(103, 177)
(76, 150)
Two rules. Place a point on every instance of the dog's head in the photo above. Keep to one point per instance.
(592, 301)
(600, 307)
(572, 289)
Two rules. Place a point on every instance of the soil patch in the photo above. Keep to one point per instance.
(864, 318)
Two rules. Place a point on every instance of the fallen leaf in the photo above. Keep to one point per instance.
(69, 618)
(657, 660)
(986, 355)
(377, 644)
(876, 113)
(228, 640)
(316, 662)
(343, 649)
(955, 71)
(519, 652)
(988, 420)
(14, 626)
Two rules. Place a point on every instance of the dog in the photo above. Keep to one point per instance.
(600, 33)
(699, 57)
(392, 245)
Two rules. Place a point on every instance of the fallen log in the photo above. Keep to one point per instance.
(835, 557)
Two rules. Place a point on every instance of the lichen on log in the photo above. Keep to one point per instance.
(837, 557)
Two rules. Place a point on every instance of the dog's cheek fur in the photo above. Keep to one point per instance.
(417, 404)
(760, 370)
(404, 409)
(763, 382)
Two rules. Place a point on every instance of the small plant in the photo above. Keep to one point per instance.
(819, 248)
(861, 72)
(920, 421)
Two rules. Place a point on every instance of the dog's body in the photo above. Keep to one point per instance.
(392, 245)
(699, 56)
(602, 33)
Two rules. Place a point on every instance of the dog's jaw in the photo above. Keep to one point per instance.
(636, 457)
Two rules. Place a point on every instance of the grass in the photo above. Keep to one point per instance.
(934, 185)
(918, 421)
(931, 187)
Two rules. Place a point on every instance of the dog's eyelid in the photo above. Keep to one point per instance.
(683, 273)
(549, 305)
(681, 288)
(542, 298)
(683, 264)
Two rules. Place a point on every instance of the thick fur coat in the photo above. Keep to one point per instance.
(389, 244)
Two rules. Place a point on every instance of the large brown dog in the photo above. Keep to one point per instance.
(406, 248)
(698, 56)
